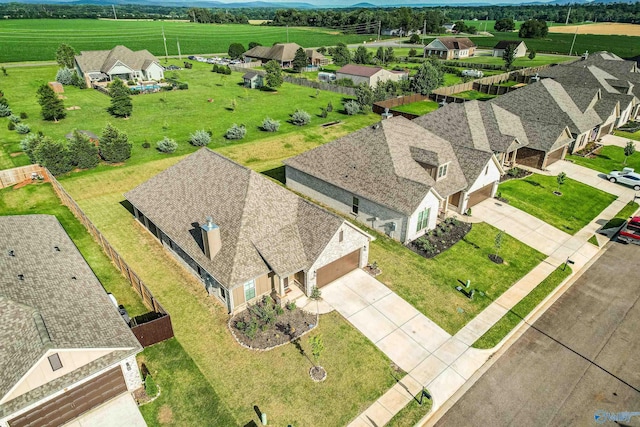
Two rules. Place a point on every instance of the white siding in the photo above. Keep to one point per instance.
(120, 68)
(492, 176)
(430, 201)
(154, 72)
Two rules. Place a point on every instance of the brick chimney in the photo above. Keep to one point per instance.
(211, 238)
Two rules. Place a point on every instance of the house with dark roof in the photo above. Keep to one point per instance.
(253, 80)
(242, 235)
(369, 75)
(395, 176)
(64, 348)
(489, 127)
(520, 49)
(120, 62)
(284, 53)
(450, 48)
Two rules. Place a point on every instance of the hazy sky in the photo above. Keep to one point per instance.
(343, 3)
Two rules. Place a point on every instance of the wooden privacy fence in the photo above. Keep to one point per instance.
(9, 177)
(345, 90)
(150, 328)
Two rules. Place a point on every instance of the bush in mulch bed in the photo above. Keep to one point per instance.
(446, 234)
(265, 324)
(589, 150)
(515, 173)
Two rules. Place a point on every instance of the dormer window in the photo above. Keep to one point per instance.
(442, 171)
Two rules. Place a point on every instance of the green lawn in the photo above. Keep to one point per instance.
(570, 212)
(186, 398)
(502, 327)
(474, 94)
(622, 216)
(419, 108)
(593, 240)
(429, 284)
(174, 114)
(38, 39)
(635, 135)
(609, 158)
(41, 199)
(524, 61)
(411, 414)
(276, 381)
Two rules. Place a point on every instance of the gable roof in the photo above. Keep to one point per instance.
(58, 304)
(104, 60)
(283, 52)
(502, 44)
(382, 163)
(359, 70)
(251, 75)
(263, 226)
(456, 43)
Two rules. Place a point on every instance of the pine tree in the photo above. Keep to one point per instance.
(121, 105)
(509, 56)
(54, 156)
(52, 106)
(114, 145)
(82, 152)
(274, 74)
(299, 60)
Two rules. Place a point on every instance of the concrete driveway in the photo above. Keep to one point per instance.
(121, 411)
(591, 177)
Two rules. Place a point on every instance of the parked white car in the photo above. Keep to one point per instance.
(627, 176)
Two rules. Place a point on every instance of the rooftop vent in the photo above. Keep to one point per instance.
(56, 248)
(73, 278)
(20, 276)
(12, 253)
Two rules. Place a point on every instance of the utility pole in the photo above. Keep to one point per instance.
(193, 13)
(424, 30)
(379, 30)
(179, 53)
(166, 54)
(114, 12)
(567, 21)
(574, 40)
(486, 20)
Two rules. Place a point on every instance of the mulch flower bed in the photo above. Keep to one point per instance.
(373, 269)
(446, 234)
(318, 374)
(515, 173)
(590, 150)
(266, 325)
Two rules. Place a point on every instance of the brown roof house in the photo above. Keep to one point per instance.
(369, 75)
(519, 47)
(395, 176)
(243, 235)
(120, 62)
(64, 348)
(283, 53)
(450, 48)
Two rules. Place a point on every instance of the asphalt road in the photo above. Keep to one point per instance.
(581, 356)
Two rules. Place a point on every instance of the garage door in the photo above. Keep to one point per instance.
(75, 402)
(480, 195)
(605, 130)
(529, 157)
(337, 268)
(554, 156)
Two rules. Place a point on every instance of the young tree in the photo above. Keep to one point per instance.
(364, 95)
(82, 152)
(560, 179)
(352, 107)
(317, 347)
(114, 145)
(509, 56)
(316, 295)
(121, 105)
(299, 60)
(629, 149)
(167, 145)
(380, 55)
(52, 106)
(412, 52)
(274, 74)
(415, 39)
(341, 55)
(497, 243)
(54, 156)
(362, 56)
(426, 79)
(30, 145)
(65, 56)
(390, 55)
(532, 54)
(504, 25)
(236, 50)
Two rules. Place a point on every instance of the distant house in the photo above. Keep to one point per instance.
(519, 46)
(450, 48)
(64, 348)
(284, 53)
(449, 27)
(120, 62)
(253, 80)
(395, 176)
(242, 235)
(369, 75)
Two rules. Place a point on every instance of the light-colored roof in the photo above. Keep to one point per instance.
(359, 70)
(57, 303)
(455, 43)
(104, 60)
(283, 52)
(263, 226)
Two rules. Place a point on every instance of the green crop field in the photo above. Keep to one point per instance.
(38, 39)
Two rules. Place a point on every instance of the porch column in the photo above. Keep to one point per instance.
(281, 291)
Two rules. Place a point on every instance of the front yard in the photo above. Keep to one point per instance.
(429, 284)
(578, 205)
(609, 158)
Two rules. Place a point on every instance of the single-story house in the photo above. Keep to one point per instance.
(449, 27)
(253, 80)
(242, 235)
(395, 176)
(519, 47)
(120, 62)
(65, 349)
(450, 48)
(369, 75)
(487, 126)
(283, 53)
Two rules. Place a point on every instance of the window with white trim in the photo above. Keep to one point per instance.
(442, 171)
(249, 290)
(355, 206)
(423, 220)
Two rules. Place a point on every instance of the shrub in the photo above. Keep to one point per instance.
(323, 112)
(251, 329)
(11, 126)
(146, 144)
(270, 125)
(13, 118)
(53, 155)
(23, 128)
(425, 245)
(30, 144)
(352, 107)
(200, 138)
(291, 306)
(114, 145)
(329, 107)
(279, 310)
(300, 118)
(167, 145)
(78, 82)
(24, 115)
(65, 76)
(150, 386)
(5, 110)
(183, 86)
(513, 172)
(236, 132)
(215, 68)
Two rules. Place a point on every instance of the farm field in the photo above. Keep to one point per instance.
(540, 59)
(605, 28)
(38, 39)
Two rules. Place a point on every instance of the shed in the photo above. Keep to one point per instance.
(253, 80)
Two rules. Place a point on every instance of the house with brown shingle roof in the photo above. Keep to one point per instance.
(242, 235)
(395, 176)
(64, 347)
(450, 48)
(283, 53)
(369, 75)
(120, 62)
(519, 47)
